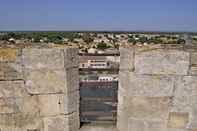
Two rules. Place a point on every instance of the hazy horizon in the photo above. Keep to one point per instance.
(125, 15)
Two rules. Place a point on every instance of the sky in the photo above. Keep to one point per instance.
(99, 15)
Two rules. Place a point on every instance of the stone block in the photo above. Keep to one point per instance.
(136, 125)
(143, 125)
(178, 120)
(71, 102)
(30, 105)
(127, 59)
(122, 120)
(193, 70)
(61, 123)
(185, 94)
(12, 89)
(10, 105)
(165, 62)
(28, 123)
(9, 54)
(45, 81)
(71, 58)
(7, 121)
(11, 71)
(149, 108)
(194, 58)
(51, 104)
(72, 80)
(47, 58)
(145, 85)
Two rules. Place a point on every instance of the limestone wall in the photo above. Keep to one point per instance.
(158, 88)
(39, 89)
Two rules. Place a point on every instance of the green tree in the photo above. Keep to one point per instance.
(102, 46)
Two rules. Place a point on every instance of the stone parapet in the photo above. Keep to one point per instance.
(39, 89)
(157, 88)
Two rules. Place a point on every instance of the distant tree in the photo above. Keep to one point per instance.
(132, 40)
(180, 41)
(143, 39)
(102, 46)
(87, 38)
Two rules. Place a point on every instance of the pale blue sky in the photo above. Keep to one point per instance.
(130, 15)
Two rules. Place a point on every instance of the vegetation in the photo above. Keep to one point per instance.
(102, 46)
(55, 37)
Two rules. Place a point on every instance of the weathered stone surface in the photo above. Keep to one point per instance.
(61, 123)
(71, 58)
(71, 102)
(35, 59)
(178, 120)
(72, 80)
(45, 81)
(9, 54)
(194, 58)
(30, 105)
(127, 59)
(144, 85)
(185, 94)
(28, 122)
(136, 125)
(122, 120)
(143, 125)
(149, 108)
(7, 120)
(162, 62)
(193, 70)
(51, 105)
(11, 71)
(9, 105)
(38, 87)
(12, 89)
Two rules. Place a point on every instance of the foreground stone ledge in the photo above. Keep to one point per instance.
(39, 88)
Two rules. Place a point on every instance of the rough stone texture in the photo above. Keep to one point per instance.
(39, 89)
(144, 125)
(9, 54)
(162, 62)
(160, 93)
(62, 122)
(193, 70)
(126, 59)
(178, 120)
(152, 86)
(194, 58)
(34, 59)
(45, 81)
(12, 89)
(10, 64)
(10, 71)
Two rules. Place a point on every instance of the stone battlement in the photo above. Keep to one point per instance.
(157, 90)
(39, 89)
